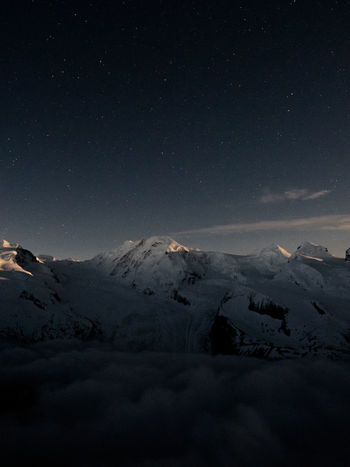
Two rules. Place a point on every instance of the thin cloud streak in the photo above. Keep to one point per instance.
(291, 195)
(317, 194)
(339, 222)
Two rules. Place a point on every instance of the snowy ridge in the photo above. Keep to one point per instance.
(155, 294)
(14, 258)
(274, 251)
(6, 244)
(312, 251)
(152, 262)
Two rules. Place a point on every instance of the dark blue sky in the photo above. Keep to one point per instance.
(125, 119)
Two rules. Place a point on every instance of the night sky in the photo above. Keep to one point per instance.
(225, 124)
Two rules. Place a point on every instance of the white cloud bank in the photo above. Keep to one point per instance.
(290, 195)
(92, 406)
(339, 222)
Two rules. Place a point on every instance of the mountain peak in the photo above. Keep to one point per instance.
(274, 250)
(6, 244)
(166, 243)
(311, 250)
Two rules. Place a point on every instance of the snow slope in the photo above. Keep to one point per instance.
(155, 294)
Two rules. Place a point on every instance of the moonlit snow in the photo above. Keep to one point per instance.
(158, 295)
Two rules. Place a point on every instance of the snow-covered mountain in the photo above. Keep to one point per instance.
(31, 307)
(156, 294)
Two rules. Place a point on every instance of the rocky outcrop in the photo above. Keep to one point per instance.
(347, 255)
(224, 338)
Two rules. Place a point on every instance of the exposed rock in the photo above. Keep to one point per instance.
(224, 338)
(318, 308)
(272, 310)
(179, 298)
(347, 255)
(28, 296)
(25, 257)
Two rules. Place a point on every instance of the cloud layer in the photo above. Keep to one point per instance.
(339, 222)
(295, 194)
(98, 407)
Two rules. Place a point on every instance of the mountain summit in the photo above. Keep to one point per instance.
(312, 250)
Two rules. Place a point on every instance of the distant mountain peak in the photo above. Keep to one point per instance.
(163, 242)
(274, 250)
(6, 244)
(311, 250)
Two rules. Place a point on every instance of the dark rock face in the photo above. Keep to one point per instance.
(25, 257)
(148, 291)
(318, 308)
(28, 296)
(224, 339)
(227, 339)
(272, 310)
(269, 308)
(179, 298)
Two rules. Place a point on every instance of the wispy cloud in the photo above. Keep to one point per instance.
(317, 194)
(288, 195)
(339, 222)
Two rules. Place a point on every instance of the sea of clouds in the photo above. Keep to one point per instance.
(77, 405)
